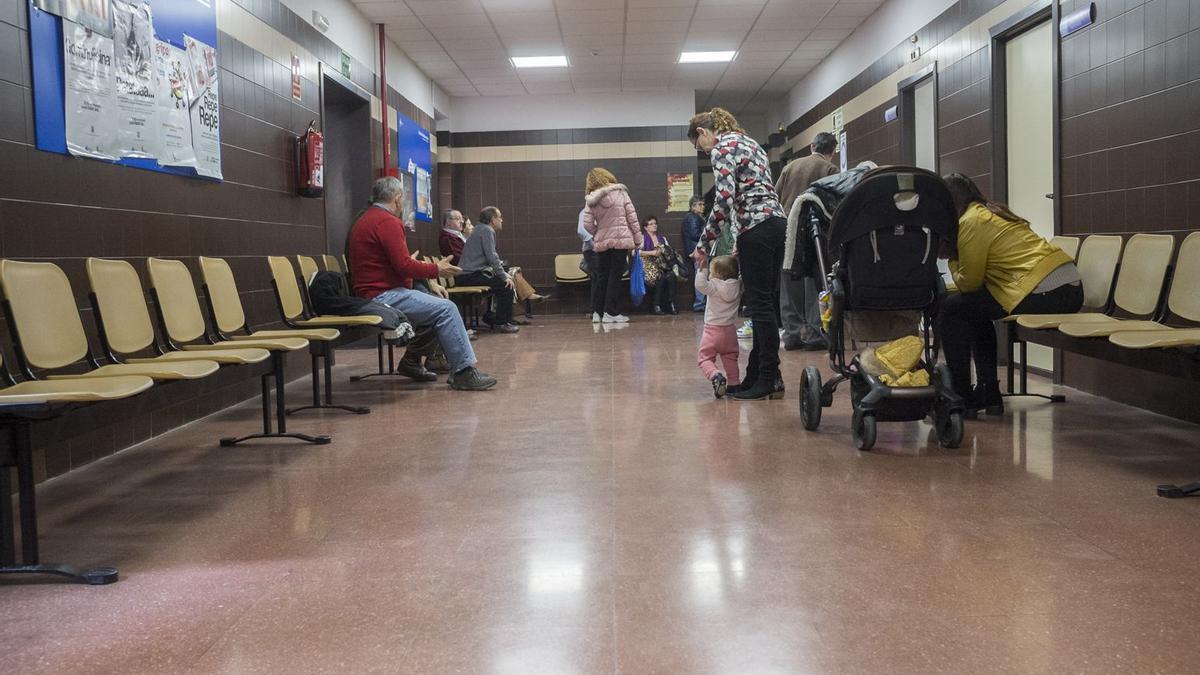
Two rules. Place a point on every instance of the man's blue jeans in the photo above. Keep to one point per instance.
(423, 309)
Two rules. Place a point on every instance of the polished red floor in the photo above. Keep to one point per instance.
(599, 512)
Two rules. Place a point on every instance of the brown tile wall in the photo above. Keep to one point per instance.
(1130, 140)
(61, 209)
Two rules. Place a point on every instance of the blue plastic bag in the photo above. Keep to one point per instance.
(637, 280)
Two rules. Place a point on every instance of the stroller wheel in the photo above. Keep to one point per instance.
(950, 429)
(862, 428)
(810, 398)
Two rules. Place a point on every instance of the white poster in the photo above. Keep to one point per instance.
(842, 161)
(205, 107)
(133, 46)
(89, 100)
(174, 99)
(92, 14)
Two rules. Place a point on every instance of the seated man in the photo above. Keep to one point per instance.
(383, 270)
(481, 266)
(452, 238)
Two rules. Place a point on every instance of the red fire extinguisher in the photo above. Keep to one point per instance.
(310, 162)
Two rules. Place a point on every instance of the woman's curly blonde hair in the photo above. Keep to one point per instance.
(717, 120)
(598, 178)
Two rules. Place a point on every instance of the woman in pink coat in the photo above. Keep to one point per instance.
(610, 219)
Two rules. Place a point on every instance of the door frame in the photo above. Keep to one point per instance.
(906, 111)
(1000, 34)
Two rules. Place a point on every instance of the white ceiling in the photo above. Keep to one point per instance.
(620, 45)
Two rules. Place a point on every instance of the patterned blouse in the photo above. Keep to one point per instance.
(745, 193)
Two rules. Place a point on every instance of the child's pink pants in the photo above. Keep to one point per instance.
(719, 341)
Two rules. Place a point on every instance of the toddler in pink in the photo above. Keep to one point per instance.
(724, 291)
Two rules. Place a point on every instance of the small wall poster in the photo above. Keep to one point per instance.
(205, 107)
(174, 98)
(296, 91)
(137, 109)
(680, 188)
(93, 14)
(91, 122)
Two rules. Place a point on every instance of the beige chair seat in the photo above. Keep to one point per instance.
(1087, 329)
(314, 334)
(331, 320)
(178, 370)
(1043, 321)
(239, 356)
(471, 290)
(275, 344)
(75, 390)
(1157, 339)
(566, 268)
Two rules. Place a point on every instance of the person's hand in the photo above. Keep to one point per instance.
(700, 256)
(447, 268)
(510, 284)
(438, 289)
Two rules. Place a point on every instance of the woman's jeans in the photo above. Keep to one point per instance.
(606, 283)
(760, 257)
(423, 309)
(966, 329)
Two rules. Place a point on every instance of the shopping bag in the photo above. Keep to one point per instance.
(637, 280)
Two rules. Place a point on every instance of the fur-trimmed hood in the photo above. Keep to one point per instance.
(595, 197)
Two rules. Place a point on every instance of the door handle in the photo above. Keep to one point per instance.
(1049, 195)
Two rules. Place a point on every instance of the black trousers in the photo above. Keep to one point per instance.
(606, 282)
(760, 257)
(502, 295)
(664, 292)
(966, 329)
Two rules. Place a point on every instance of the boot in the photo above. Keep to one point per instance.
(762, 390)
(744, 384)
(987, 396)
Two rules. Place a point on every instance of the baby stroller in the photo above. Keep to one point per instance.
(885, 236)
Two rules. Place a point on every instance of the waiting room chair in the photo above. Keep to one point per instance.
(468, 298)
(1183, 306)
(182, 323)
(1069, 245)
(567, 271)
(22, 404)
(48, 334)
(332, 264)
(291, 298)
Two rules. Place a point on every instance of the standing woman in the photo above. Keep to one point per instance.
(609, 217)
(745, 200)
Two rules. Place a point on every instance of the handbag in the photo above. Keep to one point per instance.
(637, 281)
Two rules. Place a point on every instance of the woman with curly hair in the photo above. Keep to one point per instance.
(611, 220)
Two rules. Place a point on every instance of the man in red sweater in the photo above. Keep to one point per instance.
(383, 270)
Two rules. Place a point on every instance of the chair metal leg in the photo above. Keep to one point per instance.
(276, 374)
(323, 352)
(391, 362)
(1179, 491)
(30, 564)
(1023, 348)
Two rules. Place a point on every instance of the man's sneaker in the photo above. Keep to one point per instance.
(619, 318)
(437, 363)
(595, 317)
(471, 379)
(413, 370)
(719, 384)
(746, 331)
(506, 328)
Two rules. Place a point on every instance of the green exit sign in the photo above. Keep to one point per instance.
(345, 64)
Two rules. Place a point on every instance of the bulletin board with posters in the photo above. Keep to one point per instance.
(415, 161)
(134, 82)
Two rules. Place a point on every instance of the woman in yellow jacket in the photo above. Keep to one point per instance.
(1001, 267)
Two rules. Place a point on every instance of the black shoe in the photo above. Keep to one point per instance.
(438, 363)
(761, 390)
(415, 371)
(720, 385)
(673, 311)
(470, 379)
(741, 386)
(987, 396)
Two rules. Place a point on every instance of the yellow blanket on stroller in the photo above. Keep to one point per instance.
(894, 363)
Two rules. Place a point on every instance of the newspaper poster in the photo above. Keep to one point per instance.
(174, 96)
(424, 199)
(679, 191)
(205, 107)
(88, 97)
(92, 14)
(133, 49)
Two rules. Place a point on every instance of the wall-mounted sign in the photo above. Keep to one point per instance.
(842, 163)
(1079, 19)
(889, 115)
(295, 77)
(837, 121)
(345, 65)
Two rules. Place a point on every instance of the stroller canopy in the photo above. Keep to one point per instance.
(884, 195)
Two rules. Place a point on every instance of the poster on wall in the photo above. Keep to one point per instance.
(133, 46)
(408, 213)
(424, 199)
(174, 94)
(680, 189)
(205, 107)
(91, 122)
(842, 151)
(93, 14)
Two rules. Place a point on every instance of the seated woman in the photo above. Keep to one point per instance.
(658, 268)
(1001, 267)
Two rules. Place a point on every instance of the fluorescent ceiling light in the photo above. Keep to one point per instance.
(706, 57)
(539, 61)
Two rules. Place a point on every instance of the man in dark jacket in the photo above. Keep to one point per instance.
(693, 227)
(798, 297)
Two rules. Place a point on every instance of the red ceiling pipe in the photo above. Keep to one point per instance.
(383, 97)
